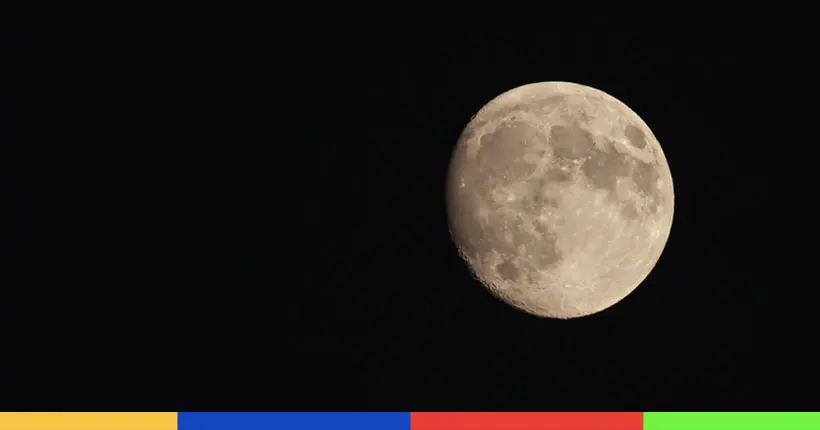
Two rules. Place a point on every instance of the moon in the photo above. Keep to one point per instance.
(559, 199)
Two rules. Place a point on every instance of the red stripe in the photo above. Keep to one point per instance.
(526, 421)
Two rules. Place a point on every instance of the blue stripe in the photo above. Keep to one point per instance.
(294, 421)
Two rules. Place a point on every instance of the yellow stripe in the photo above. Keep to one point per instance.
(88, 421)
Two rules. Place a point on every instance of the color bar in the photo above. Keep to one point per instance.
(526, 421)
(732, 421)
(294, 421)
(88, 421)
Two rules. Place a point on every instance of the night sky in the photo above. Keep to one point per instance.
(238, 209)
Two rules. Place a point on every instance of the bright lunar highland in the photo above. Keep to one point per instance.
(559, 198)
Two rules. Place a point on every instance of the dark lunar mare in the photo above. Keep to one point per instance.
(604, 167)
(571, 141)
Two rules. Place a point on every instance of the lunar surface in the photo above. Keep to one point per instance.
(559, 199)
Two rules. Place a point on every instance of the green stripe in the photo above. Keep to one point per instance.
(731, 420)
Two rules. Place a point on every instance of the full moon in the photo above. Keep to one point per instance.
(559, 199)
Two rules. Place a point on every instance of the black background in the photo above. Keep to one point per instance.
(237, 208)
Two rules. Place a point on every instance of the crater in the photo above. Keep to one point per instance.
(635, 136)
(508, 270)
(571, 141)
